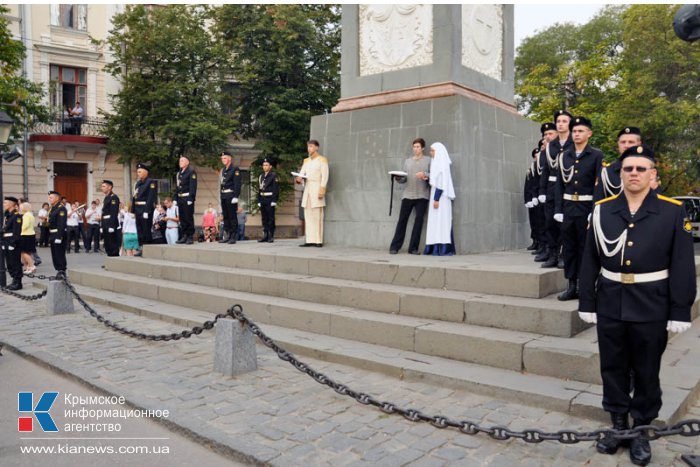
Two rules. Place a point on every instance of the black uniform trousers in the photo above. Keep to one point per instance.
(536, 217)
(186, 214)
(230, 212)
(143, 227)
(58, 256)
(407, 205)
(625, 346)
(44, 238)
(112, 241)
(573, 240)
(268, 217)
(13, 261)
(93, 237)
(552, 228)
(74, 235)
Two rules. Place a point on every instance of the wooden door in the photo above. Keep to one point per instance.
(71, 181)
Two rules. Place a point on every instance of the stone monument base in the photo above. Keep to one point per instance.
(490, 147)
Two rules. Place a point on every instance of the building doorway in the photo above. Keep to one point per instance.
(71, 180)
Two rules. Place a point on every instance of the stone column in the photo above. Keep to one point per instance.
(443, 73)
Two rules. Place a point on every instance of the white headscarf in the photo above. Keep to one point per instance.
(440, 176)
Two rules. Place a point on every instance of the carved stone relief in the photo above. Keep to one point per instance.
(393, 37)
(482, 39)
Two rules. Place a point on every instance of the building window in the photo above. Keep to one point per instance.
(69, 16)
(68, 87)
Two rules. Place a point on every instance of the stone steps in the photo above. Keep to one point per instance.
(541, 316)
(576, 398)
(501, 273)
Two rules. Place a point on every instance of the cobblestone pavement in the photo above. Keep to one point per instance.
(280, 416)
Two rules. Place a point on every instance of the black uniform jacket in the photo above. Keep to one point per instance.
(110, 213)
(268, 184)
(57, 222)
(187, 184)
(532, 183)
(230, 182)
(612, 171)
(658, 238)
(12, 229)
(145, 196)
(547, 182)
(585, 172)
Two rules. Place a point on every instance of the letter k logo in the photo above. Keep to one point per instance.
(25, 403)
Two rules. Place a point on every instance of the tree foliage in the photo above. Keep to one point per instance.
(20, 98)
(172, 74)
(286, 66)
(624, 67)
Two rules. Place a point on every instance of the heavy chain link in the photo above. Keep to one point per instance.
(502, 433)
(30, 298)
(196, 330)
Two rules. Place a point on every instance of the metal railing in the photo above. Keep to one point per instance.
(64, 125)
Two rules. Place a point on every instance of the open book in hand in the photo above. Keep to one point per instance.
(297, 174)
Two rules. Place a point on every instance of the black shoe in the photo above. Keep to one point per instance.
(181, 240)
(533, 246)
(306, 244)
(189, 240)
(570, 293)
(263, 239)
(541, 257)
(609, 445)
(318, 245)
(560, 263)
(16, 285)
(271, 240)
(414, 252)
(393, 252)
(640, 450)
(550, 263)
(232, 240)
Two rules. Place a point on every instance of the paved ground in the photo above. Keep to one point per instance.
(279, 416)
(22, 374)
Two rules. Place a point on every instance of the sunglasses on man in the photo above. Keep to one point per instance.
(639, 169)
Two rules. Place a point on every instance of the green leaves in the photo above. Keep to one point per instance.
(624, 67)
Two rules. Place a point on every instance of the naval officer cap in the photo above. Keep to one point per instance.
(560, 112)
(578, 121)
(12, 198)
(639, 151)
(535, 152)
(108, 182)
(547, 126)
(630, 130)
(53, 192)
(268, 160)
(143, 166)
(226, 153)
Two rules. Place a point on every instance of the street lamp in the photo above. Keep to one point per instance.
(6, 123)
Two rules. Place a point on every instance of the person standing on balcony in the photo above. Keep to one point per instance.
(77, 117)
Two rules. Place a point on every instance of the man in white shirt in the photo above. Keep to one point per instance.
(172, 221)
(77, 117)
(93, 228)
(73, 227)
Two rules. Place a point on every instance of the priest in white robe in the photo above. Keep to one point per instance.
(439, 240)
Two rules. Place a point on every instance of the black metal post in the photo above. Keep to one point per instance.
(3, 279)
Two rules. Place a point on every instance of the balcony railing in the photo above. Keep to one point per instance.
(61, 125)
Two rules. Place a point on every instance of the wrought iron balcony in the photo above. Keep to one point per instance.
(61, 125)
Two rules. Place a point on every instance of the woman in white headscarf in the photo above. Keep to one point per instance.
(439, 240)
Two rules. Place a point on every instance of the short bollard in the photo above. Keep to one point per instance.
(234, 349)
(59, 300)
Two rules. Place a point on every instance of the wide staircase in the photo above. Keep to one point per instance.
(487, 323)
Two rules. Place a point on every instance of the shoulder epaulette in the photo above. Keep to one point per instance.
(670, 200)
(609, 198)
(606, 164)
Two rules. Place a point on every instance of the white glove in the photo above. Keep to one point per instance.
(58, 241)
(273, 204)
(145, 215)
(677, 326)
(110, 230)
(589, 219)
(258, 204)
(234, 200)
(11, 248)
(542, 198)
(189, 203)
(590, 318)
(535, 201)
(559, 217)
(102, 230)
(529, 205)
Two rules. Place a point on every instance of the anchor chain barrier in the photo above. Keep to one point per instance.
(501, 433)
(30, 298)
(532, 435)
